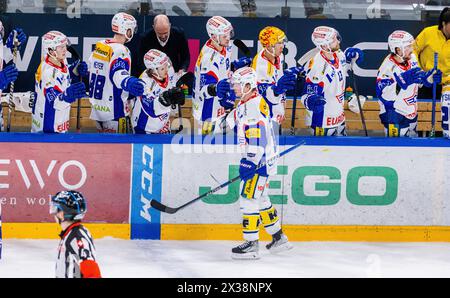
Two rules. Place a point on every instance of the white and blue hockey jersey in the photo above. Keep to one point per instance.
(255, 131)
(327, 78)
(109, 66)
(149, 115)
(389, 93)
(267, 75)
(50, 114)
(211, 67)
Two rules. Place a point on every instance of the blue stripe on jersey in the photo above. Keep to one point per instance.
(118, 103)
(207, 108)
(381, 84)
(317, 119)
(147, 106)
(51, 94)
(141, 123)
(118, 65)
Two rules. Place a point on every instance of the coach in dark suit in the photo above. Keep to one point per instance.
(167, 39)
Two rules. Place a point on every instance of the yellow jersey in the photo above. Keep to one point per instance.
(429, 41)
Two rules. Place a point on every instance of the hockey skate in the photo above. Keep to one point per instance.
(249, 250)
(279, 243)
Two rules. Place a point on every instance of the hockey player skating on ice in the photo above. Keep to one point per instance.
(398, 82)
(110, 82)
(273, 82)
(54, 91)
(324, 90)
(257, 139)
(152, 110)
(76, 250)
(211, 95)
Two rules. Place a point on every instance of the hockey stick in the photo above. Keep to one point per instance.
(163, 208)
(242, 47)
(11, 86)
(433, 103)
(361, 113)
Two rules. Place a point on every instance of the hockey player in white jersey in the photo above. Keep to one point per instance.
(54, 91)
(273, 81)
(151, 111)
(9, 73)
(211, 95)
(256, 137)
(398, 81)
(110, 82)
(324, 90)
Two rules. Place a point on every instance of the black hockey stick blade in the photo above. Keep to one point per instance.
(242, 47)
(186, 79)
(163, 208)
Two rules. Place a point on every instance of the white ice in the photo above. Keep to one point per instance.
(195, 259)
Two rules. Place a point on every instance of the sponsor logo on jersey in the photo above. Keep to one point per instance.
(100, 108)
(98, 65)
(36, 123)
(334, 121)
(102, 52)
(253, 133)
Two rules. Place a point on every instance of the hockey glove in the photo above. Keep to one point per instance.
(241, 62)
(223, 88)
(83, 70)
(285, 83)
(315, 103)
(172, 97)
(228, 101)
(409, 77)
(430, 77)
(74, 92)
(246, 169)
(8, 75)
(354, 53)
(21, 37)
(134, 86)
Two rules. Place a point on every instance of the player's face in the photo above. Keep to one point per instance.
(162, 71)
(224, 40)
(335, 45)
(407, 51)
(61, 52)
(278, 49)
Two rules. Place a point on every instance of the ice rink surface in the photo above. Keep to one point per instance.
(204, 259)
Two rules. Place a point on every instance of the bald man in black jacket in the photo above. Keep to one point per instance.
(167, 39)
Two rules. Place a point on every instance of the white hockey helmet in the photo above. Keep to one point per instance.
(244, 76)
(53, 39)
(324, 36)
(154, 59)
(122, 22)
(400, 39)
(219, 26)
